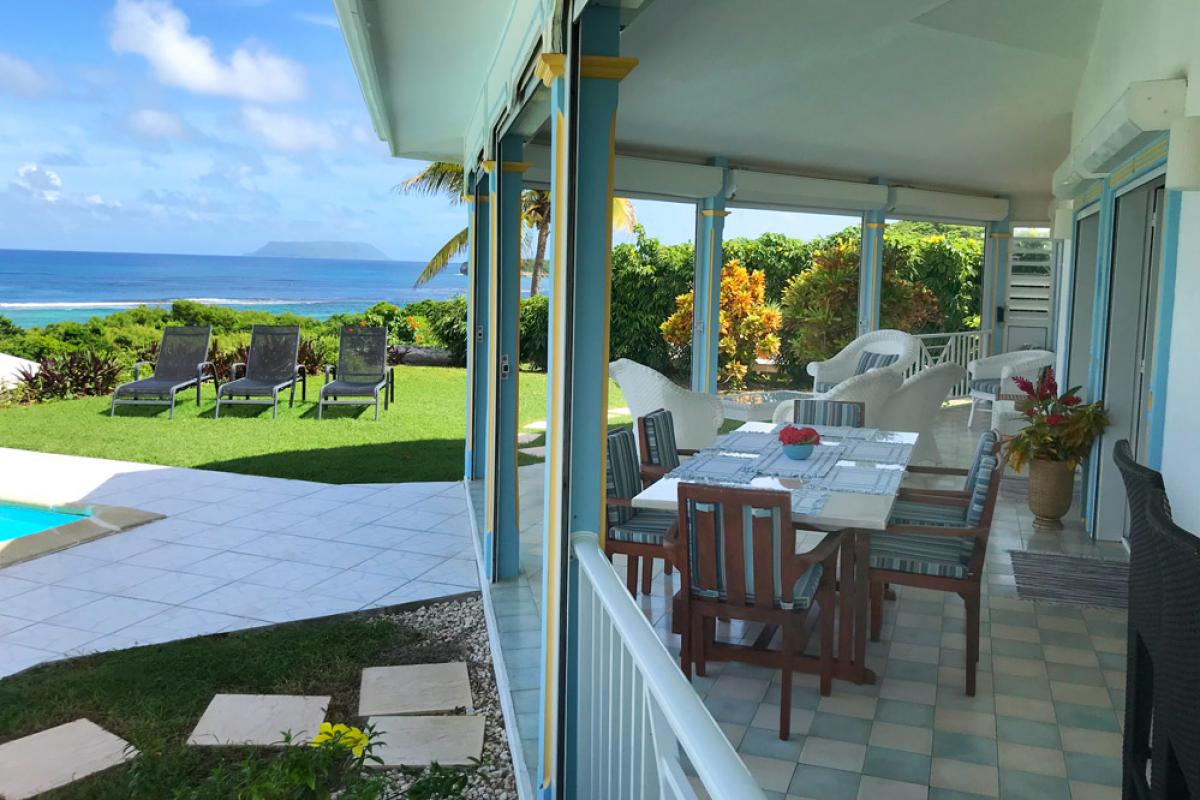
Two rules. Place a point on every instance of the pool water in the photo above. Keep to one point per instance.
(18, 520)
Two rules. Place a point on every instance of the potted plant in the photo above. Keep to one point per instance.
(798, 443)
(1060, 432)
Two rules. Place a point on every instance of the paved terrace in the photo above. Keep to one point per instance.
(234, 552)
(1045, 723)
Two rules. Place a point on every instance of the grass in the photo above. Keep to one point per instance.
(419, 438)
(153, 696)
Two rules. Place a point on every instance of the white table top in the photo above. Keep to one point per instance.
(841, 510)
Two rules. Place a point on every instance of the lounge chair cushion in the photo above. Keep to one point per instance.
(986, 385)
(644, 527)
(940, 556)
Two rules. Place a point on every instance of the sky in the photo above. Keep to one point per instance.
(213, 126)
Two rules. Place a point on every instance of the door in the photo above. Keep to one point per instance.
(1129, 344)
(1083, 299)
(1029, 297)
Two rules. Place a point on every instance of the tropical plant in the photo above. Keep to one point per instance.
(443, 177)
(647, 276)
(1061, 427)
(748, 325)
(777, 256)
(79, 374)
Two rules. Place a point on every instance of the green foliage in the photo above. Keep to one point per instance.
(82, 373)
(1061, 427)
(647, 277)
(448, 321)
(535, 329)
(777, 256)
(438, 783)
(947, 260)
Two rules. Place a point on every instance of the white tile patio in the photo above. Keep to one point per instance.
(234, 552)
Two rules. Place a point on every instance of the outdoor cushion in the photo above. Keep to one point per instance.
(987, 443)
(986, 385)
(811, 411)
(941, 556)
(871, 360)
(622, 474)
(660, 439)
(823, 387)
(644, 527)
(941, 515)
(983, 480)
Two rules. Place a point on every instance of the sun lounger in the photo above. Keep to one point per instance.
(269, 369)
(181, 363)
(361, 372)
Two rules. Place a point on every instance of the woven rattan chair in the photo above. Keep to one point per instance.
(361, 373)
(270, 368)
(182, 362)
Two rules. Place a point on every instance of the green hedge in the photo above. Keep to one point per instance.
(647, 276)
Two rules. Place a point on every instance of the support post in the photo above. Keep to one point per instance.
(870, 271)
(583, 128)
(995, 282)
(501, 531)
(478, 300)
(706, 298)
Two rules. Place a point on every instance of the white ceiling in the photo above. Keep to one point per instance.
(969, 94)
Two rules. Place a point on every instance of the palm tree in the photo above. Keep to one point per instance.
(443, 177)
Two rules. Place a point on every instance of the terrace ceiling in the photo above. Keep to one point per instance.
(969, 94)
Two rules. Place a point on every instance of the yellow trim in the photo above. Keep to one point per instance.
(492, 366)
(550, 66)
(874, 224)
(608, 215)
(515, 166)
(612, 68)
(488, 166)
(472, 274)
(1001, 235)
(467, 198)
(712, 212)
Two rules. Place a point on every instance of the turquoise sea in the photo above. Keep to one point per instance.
(40, 286)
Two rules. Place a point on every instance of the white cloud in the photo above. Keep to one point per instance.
(288, 132)
(20, 78)
(322, 20)
(38, 182)
(158, 31)
(154, 124)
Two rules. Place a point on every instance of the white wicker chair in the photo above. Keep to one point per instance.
(992, 377)
(907, 348)
(915, 406)
(697, 416)
(872, 389)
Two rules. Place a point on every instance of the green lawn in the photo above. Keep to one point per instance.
(419, 438)
(153, 696)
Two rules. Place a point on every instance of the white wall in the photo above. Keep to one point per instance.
(1181, 434)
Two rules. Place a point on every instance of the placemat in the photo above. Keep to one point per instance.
(776, 464)
(712, 466)
(881, 452)
(845, 432)
(809, 500)
(745, 441)
(863, 480)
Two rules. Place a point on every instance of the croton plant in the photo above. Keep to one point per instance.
(1061, 427)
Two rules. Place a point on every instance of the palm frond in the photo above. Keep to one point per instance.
(440, 177)
(624, 215)
(449, 251)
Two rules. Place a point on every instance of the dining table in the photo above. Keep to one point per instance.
(849, 485)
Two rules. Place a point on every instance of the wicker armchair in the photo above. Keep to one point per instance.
(889, 349)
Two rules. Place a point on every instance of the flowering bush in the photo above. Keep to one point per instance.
(793, 435)
(1061, 426)
(749, 327)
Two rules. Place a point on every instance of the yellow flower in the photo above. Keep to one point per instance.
(345, 736)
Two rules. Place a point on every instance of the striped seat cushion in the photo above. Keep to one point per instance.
(622, 474)
(660, 439)
(810, 411)
(983, 482)
(822, 386)
(940, 556)
(914, 512)
(871, 360)
(644, 527)
(987, 443)
(986, 385)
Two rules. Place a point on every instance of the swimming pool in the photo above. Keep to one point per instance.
(21, 520)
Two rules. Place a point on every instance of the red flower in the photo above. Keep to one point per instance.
(793, 435)
(1024, 384)
(1054, 419)
(1071, 400)
(1051, 384)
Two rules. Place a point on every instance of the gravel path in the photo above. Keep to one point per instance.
(459, 625)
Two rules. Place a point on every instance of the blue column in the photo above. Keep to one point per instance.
(501, 545)
(870, 271)
(995, 282)
(706, 300)
(477, 324)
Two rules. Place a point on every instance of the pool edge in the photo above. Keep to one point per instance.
(104, 521)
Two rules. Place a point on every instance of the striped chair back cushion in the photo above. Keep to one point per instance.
(828, 412)
(987, 443)
(622, 474)
(709, 562)
(871, 360)
(661, 449)
(989, 468)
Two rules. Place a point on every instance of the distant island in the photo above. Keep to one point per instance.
(351, 251)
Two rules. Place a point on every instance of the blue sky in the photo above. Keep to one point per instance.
(211, 126)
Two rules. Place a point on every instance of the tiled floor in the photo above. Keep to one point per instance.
(235, 551)
(1045, 722)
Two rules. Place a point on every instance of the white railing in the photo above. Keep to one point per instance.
(637, 715)
(960, 347)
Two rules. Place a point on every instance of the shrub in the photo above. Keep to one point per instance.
(749, 326)
(820, 306)
(647, 277)
(534, 331)
(777, 256)
(80, 374)
(223, 360)
(314, 354)
(448, 321)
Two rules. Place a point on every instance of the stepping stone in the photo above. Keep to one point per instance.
(419, 741)
(259, 719)
(526, 438)
(539, 452)
(57, 757)
(415, 689)
(540, 425)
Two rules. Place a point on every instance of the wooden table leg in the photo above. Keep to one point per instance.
(846, 606)
(862, 601)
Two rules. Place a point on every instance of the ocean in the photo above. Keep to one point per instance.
(38, 287)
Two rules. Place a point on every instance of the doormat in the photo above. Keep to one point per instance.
(1071, 580)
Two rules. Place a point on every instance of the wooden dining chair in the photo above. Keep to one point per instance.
(736, 553)
(814, 411)
(656, 445)
(638, 534)
(938, 541)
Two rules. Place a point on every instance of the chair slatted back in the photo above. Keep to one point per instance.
(182, 350)
(622, 475)
(656, 439)
(273, 351)
(362, 354)
(814, 411)
(987, 445)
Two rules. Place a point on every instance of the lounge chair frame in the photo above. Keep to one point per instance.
(165, 396)
(327, 396)
(260, 396)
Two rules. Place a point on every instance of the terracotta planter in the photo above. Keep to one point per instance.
(1050, 490)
